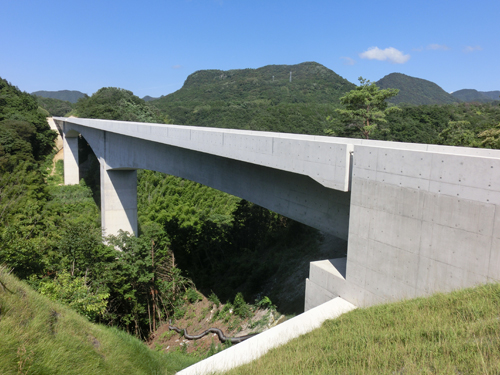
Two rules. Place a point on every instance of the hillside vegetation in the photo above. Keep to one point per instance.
(71, 96)
(456, 333)
(415, 91)
(470, 95)
(258, 99)
(55, 107)
(113, 103)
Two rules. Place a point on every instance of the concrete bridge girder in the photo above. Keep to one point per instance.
(418, 218)
(296, 196)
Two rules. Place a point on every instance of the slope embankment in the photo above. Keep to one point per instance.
(38, 336)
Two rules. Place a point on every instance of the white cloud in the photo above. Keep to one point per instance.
(390, 54)
(470, 49)
(348, 60)
(436, 47)
(176, 66)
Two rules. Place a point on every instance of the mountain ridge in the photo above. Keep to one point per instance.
(472, 95)
(414, 90)
(71, 96)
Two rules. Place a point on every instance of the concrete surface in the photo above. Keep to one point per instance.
(295, 195)
(119, 201)
(418, 218)
(259, 345)
(420, 222)
(71, 169)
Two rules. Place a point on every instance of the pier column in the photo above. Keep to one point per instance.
(71, 168)
(118, 201)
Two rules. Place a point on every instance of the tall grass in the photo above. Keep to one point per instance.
(38, 336)
(456, 333)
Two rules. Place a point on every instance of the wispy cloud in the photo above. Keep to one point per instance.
(436, 47)
(470, 49)
(389, 54)
(419, 49)
(176, 66)
(348, 60)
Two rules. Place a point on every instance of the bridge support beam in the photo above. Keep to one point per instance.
(118, 201)
(71, 169)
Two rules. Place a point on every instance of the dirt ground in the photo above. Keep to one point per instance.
(200, 317)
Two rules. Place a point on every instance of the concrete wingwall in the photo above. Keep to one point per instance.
(420, 222)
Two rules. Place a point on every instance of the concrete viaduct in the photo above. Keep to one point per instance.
(418, 218)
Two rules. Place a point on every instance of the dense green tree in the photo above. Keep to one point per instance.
(458, 133)
(16, 108)
(365, 107)
(490, 138)
(116, 104)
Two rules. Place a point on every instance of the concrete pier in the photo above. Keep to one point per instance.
(71, 169)
(119, 201)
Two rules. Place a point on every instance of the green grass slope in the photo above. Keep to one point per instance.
(415, 91)
(38, 336)
(456, 333)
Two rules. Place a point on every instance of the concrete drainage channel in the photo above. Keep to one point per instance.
(257, 346)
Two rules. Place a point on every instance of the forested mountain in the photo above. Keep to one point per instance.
(113, 103)
(148, 98)
(471, 95)
(415, 91)
(55, 107)
(258, 99)
(66, 95)
(494, 95)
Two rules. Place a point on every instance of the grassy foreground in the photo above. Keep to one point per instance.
(38, 336)
(456, 333)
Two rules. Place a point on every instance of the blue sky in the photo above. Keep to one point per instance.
(151, 46)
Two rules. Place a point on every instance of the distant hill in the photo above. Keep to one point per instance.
(311, 82)
(258, 99)
(67, 95)
(415, 90)
(55, 107)
(471, 95)
(494, 95)
(148, 98)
